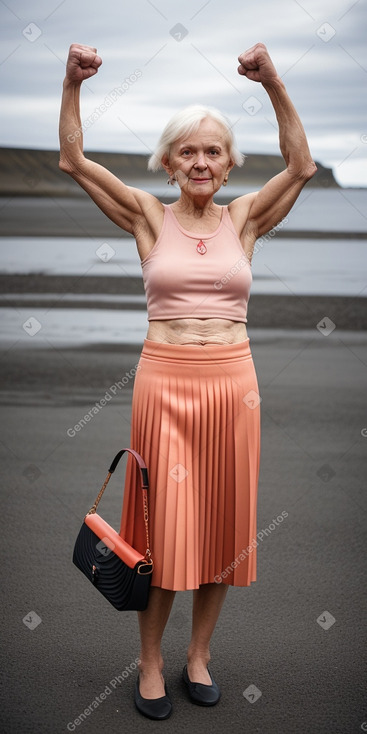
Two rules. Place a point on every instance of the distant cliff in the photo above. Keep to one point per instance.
(26, 172)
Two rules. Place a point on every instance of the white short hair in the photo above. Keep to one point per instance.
(184, 123)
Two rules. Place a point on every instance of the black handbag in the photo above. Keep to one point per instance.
(121, 573)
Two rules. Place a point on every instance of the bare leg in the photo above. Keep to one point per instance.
(152, 623)
(207, 604)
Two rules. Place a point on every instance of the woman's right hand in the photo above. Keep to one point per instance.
(83, 62)
(135, 211)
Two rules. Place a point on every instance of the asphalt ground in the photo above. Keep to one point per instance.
(289, 652)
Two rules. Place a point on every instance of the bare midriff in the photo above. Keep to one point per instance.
(197, 331)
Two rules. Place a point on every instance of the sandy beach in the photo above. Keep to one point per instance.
(287, 652)
(296, 634)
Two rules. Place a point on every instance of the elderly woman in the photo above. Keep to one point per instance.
(195, 411)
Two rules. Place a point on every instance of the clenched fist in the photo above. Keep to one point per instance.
(83, 62)
(256, 64)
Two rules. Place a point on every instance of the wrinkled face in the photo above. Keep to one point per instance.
(201, 160)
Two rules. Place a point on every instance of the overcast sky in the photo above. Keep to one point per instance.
(186, 52)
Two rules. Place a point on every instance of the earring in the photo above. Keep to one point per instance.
(225, 181)
(171, 180)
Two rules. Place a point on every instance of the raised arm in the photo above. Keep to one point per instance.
(83, 63)
(123, 204)
(273, 202)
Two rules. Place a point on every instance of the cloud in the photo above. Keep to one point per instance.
(324, 72)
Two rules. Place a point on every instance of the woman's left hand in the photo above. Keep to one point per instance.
(256, 64)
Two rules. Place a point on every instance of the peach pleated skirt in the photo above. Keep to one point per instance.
(196, 422)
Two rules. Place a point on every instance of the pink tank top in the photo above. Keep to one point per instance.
(188, 275)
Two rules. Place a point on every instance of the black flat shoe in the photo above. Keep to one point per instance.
(200, 693)
(153, 708)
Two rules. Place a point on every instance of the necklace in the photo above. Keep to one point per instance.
(201, 248)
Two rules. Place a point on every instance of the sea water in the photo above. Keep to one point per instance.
(332, 262)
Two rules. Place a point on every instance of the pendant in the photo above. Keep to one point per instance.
(201, 248)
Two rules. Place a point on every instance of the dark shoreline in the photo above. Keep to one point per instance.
(78, 216)
(265, 311)
(27, 171)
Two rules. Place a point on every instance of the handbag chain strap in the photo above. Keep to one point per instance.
(145, 485)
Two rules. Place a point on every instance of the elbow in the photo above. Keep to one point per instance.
(69, 166)
(310, 170)
(303, 172)
(65, 166)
